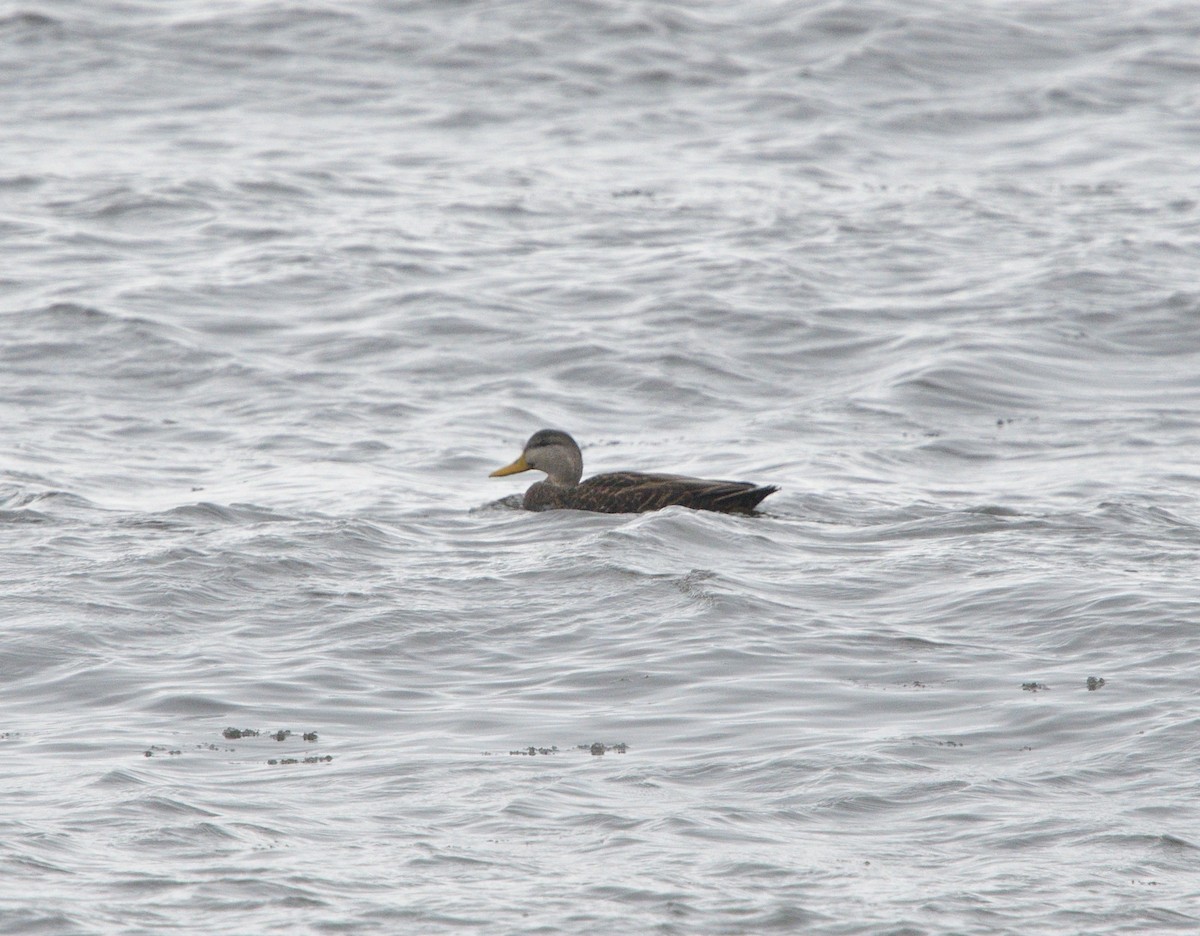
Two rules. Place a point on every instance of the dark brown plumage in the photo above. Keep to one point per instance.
(557, 454)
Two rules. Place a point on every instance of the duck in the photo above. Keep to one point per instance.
(557, 454)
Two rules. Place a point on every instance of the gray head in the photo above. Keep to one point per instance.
(551, 451)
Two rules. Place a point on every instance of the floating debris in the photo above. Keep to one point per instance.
(159, 749)
(1093, 683)
(597, 748)
(325, 759)
(282, 734)
(1034, 686)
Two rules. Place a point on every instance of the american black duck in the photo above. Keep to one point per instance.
(557, 454)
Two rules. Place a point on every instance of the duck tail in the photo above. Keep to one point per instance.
(745, 500)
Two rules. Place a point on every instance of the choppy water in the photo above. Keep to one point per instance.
(283, 282)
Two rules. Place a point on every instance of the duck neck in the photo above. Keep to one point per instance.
(565, 468)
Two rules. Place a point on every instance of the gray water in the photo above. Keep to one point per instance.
(283, 282)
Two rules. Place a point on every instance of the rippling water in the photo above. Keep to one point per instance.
(283, 282)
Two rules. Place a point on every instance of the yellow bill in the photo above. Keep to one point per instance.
(519, 465)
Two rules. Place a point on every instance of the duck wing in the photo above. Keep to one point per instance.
(637, 492)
